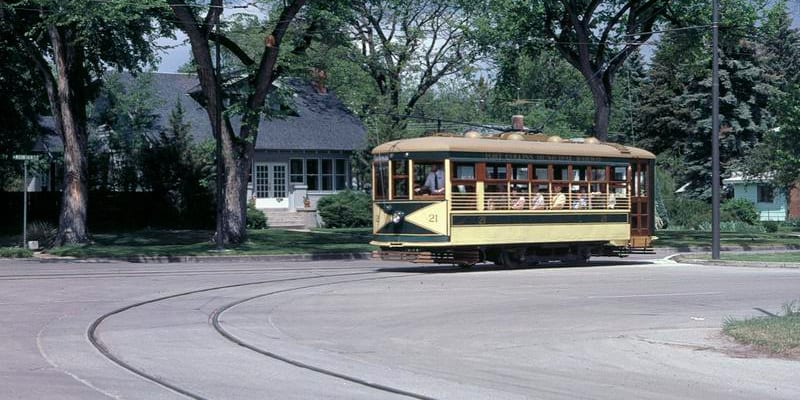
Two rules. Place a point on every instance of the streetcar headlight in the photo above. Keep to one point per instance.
(397, 217)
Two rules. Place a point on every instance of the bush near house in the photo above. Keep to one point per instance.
(347, 209)
(685, 213)
(739, 210)
(255, 218)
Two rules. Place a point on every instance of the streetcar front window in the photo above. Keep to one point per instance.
(429, 178)
(380, 177)
(400, 179)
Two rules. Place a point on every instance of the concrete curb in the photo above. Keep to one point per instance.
(366, 255)
(687, 259)
(211, 259)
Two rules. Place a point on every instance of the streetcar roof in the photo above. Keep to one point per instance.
(447, 144)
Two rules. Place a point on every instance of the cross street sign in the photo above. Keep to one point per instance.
(25, 157)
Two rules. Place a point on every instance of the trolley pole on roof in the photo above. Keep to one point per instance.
(715, 133)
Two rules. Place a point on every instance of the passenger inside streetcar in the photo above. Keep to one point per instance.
(580, 200)
(538, 200)
(518, 198)
(559, 199)
(434, 180)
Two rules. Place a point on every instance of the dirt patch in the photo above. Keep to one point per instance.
(732, 348)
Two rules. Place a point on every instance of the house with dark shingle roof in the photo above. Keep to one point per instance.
(303, 154)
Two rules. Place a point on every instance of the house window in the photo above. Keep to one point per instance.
(765, 194)
(312, 174)
(297, 171)
(341, 174)
(319, 174)
(262, 180)
(327, 174)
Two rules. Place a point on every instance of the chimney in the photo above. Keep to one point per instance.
(517, 123)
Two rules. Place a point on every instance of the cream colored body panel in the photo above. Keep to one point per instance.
(550, 233)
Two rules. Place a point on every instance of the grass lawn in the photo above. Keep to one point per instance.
(198, 243)
(682, 239)
(778, 335)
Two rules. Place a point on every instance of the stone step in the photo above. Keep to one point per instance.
(289, 220)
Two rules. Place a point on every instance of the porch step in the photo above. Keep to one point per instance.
(289, 220)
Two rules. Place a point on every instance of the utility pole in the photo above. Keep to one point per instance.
(715, 133)
(218, 127)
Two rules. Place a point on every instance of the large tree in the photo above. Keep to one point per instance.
(261, 71)
(778, 153)
(407, 47)
(596, 37)
(71, 44)
(21, 101)
(676, 107)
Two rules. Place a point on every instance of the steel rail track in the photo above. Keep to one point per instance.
(215, 315)
(93, 337)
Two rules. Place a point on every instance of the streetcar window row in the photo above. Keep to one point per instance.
(513, 185)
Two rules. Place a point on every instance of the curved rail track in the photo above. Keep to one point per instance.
(94, 339)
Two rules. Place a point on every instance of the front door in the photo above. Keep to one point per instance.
(271, 185)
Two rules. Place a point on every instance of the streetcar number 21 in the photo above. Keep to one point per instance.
(433, 217)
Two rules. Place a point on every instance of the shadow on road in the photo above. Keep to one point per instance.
(485, 267)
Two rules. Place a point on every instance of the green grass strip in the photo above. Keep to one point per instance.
(701, 238)
(15, 252)
(199, 243)
(778, 334)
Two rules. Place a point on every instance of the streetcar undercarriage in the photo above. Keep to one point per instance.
(509, 255)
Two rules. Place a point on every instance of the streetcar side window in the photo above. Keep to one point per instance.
(464, 183)
(463, 178)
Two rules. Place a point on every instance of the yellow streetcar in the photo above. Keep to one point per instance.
(512, 199)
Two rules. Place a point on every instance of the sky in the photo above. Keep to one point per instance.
(178, 54)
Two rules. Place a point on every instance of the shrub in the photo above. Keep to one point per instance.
(348, 209)
(793, 223)
(15, 252)
(771, 226)
(43, 232)
(740, 210)
(255, 218)
(688, 213)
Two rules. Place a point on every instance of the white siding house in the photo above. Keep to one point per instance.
(770, 202)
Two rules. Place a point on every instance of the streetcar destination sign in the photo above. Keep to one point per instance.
(25, 157)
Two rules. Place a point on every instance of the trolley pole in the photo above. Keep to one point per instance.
(715, 133)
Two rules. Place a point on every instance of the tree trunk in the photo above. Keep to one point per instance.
(71, 103)
(601, 96)
(236, 158)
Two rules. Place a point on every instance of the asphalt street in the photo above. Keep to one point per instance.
(616, 329)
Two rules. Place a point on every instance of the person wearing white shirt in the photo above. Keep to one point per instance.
(434, 182)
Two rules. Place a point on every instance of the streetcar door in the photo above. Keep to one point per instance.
(641, 212)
